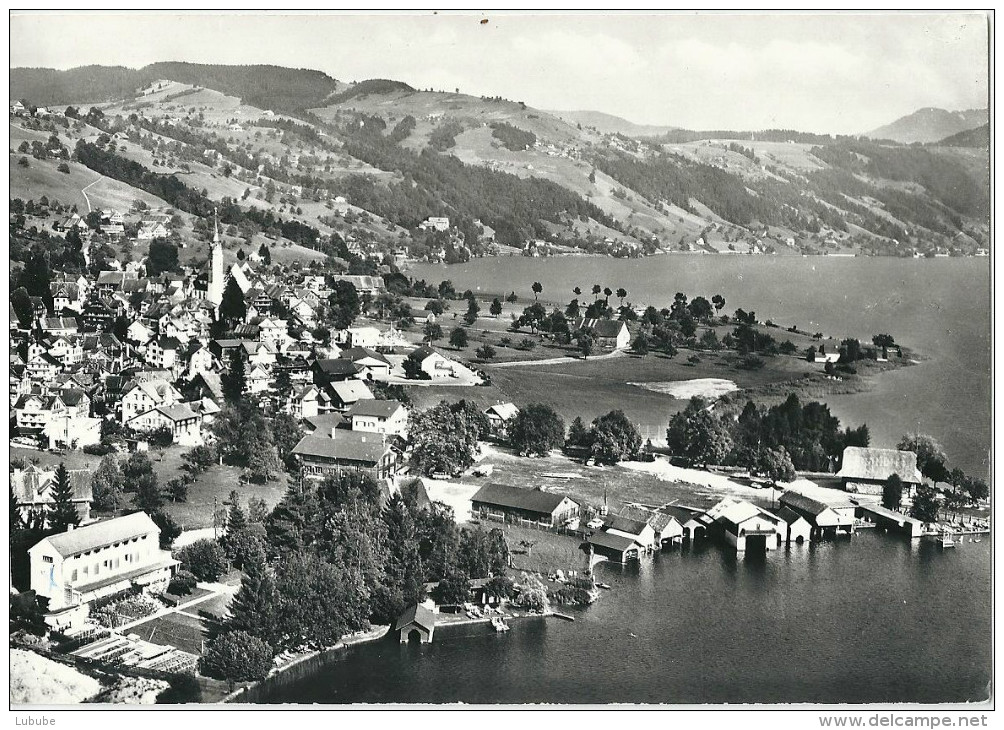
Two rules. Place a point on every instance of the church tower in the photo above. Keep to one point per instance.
(214, 290)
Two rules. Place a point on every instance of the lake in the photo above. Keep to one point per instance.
(940, 307)
(872, 618)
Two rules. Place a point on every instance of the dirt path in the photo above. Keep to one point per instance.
(556, 360)
(83, 191)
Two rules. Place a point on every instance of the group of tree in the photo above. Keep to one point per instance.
(772, 442)
(444, 438)
(611, 438)
(337, 556)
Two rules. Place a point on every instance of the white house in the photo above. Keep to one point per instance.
(103, 559)
(499, 416)
(379, 416)
(143, 396)
(184, 423)
(746, 526)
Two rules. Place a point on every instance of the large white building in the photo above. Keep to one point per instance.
(74, 568)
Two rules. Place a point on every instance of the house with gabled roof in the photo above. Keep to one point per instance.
(33, 486)
(379, 416)
(613, 546)
(144, 395)
(184, 423)
(499, 416)
(638, 530)
(511, 504)
(343, 451)
(666, 528)
(611, 334)
(866, 470)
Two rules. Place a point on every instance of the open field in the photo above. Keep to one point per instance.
(549, 551)
(211, 488)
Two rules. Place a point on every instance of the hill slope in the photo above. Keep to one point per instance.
(610, 124)
(930, 125)
(979, 137)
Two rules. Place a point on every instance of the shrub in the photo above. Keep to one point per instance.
(751, 362)
(98, 449)
(526, 344)
(64, 168)
(182, 584)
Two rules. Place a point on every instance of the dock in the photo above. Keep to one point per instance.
(891, 520)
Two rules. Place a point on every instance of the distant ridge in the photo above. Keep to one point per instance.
(264, 86)
(930, 124)
(610, 124)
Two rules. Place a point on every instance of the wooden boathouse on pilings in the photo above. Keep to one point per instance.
(891, 520)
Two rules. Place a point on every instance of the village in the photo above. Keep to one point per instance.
(196, 368)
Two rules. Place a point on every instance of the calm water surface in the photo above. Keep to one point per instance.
(871, 618)
(940, 307)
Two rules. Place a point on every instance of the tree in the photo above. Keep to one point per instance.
(344, 304)
(107, 485)
(235, 381)
(925, 504)
(614, 438)
(163, 257)
(453, 589)
(698, 435)
(775, 465)
(237, 656)
(485, 352)
(198, 459)
(432, 332)
(445, 437)
(458, 338)
(169, 529)
(537, 289)
(892, 492)
(177, 489)
(536, 430)
(622, 294)
(719, 301)
(641, 343)
(578, 434)
(286, 434)
(473, 310)
(148, 495)
(496, 308)
(931, 459)
(233, 308)
(700, 309)
(255, 606)
(413, 367)
(63, 513)
(883, 341)
(585, 339)
(205, 559)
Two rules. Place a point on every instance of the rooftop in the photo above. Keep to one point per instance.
(879, 464)
(530, 500)
(102, 534)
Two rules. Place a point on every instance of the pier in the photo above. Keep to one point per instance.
(891, 520)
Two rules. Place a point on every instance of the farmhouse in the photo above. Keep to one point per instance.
(97, 561)
(611, 334)
(512, 504)
(499, 416)
(32, 488)
(865, 470)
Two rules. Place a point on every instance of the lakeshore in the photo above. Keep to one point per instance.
(798, 616)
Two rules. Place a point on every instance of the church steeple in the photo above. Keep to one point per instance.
(214, 290)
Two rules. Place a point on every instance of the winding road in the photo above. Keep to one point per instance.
(83, 191)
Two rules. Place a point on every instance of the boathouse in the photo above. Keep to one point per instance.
(747, 527)
(416, 622)
(614, 547)
(891, 520)
(638, 530)
(694, 522)
(666, 527)
(825, 520)
(512, 504)
(865, 470)
(799, 529)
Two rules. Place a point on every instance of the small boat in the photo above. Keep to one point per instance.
(499, 624)
(604, 586)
